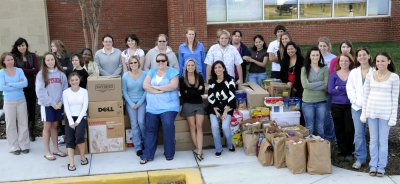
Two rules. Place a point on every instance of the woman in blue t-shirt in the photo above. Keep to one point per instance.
(162, 98)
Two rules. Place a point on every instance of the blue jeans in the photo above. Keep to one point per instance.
(360, 145)
(136, 117)
(314, 115)
(150, 141)
(257, 77)
(226, 128)
(329, 127)
(378, 144)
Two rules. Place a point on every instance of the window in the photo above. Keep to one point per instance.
(216, 10)
(252, 12)
(378, 7)
(280, 9)
(315, 8)
(350, 8)
(265, 10)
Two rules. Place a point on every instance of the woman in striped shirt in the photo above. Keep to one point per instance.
(380, 103)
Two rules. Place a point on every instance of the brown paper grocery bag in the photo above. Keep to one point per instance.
(266, 154)
(250, 140)
(296, 155)
(278, 144)
(319, 157)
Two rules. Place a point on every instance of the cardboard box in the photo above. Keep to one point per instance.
(181, 126)
(207, 124)
(106, 134)
(106, 109)
(183, 137)
(178, 115)
(255, 94)
(127, 121)
(187, 146)
(286, 118)
(128, 136)
(279, 90)
(104, 88)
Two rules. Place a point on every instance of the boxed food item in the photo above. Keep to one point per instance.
(237, 117)
(106, 109)
(274, 103)
(291, 104)
(286, 118)
(279, 90)
(255, 94)
(106, 134)
(241, 100)
(261, 113)
(104, 88)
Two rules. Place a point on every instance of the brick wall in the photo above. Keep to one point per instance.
(145, 19)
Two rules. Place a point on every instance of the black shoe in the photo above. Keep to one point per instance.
(16, 152)
(232, 149)
(218, 154)
(139, 153)
(32, 138)
(25, 151)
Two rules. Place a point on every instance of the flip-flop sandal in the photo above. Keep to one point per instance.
(60, 154)
(71, 168)
(49, 157)
(85, 162)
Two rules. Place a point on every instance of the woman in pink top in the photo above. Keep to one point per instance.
(345, 46)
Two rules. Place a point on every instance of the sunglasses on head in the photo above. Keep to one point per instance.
(163, 41)
(161, 60)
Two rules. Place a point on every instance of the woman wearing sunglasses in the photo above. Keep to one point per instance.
(162, 98)
(161, 47)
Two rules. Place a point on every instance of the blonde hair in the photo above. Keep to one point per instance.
(327, 41)
(221, 32)
(196, 75)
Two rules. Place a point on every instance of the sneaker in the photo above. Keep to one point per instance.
(218, 154)
(61, 140)
(25, 151)
(16, 152)
(356, 165)
(232, 149)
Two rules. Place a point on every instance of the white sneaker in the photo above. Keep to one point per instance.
(357, 165)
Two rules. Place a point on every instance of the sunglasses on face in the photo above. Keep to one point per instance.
(135, 62)
(162, 41)
(163, 61)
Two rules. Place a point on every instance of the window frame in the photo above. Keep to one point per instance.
(366, 16)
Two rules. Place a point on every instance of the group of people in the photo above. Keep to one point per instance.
(339, 93)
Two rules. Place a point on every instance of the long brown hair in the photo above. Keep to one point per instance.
(60, 48)
(196, 75)
(45, 70)
(194, 46)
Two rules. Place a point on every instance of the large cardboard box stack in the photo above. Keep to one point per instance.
(106, 118)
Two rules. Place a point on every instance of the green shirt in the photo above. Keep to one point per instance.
(315, 85)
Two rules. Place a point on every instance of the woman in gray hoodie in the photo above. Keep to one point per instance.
(161, 47)
(50, 84)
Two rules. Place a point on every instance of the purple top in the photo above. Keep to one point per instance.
(339, 95)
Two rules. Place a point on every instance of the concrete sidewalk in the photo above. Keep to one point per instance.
(231, 167)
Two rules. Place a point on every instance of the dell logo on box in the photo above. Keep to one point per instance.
(105, 109)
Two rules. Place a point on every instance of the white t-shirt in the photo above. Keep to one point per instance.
(273, 48)
(75, 104)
